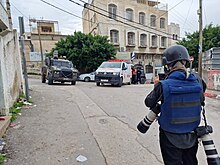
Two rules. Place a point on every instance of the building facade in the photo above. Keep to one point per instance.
(11, 81)
(41, 39)
(139, 26)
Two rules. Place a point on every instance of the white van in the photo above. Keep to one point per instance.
(114, 72)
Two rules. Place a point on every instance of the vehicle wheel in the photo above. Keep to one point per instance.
(98, 83)
(120, 82)
(73, 83)
(86, 79)
(50, 80)
(43, 78)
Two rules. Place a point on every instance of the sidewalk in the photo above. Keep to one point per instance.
(212, 93)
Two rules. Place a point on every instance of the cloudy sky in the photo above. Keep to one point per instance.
(183, 12)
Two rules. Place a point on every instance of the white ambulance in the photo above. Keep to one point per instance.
(114, 72)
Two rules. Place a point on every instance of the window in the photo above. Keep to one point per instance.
(143, 40)
(129, 14)
(154, 41)
(114, 36)
(112, 9)
(153, 20)
(142, 18)
(163, 42)
(142, 1)
(175, 36)
(162, 23)
(131, 38)
(46, 29)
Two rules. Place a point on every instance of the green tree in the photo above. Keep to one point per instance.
(211, 38)
(86, 51)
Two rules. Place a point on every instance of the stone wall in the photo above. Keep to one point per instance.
(212, 79)
(10, 70)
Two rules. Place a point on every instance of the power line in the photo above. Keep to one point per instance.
(64, 10)
(124, 18)
(179, 16)
(19, 11)
(134, 21)
(169, 10)
(187, 14)
(70, 12)
(118, 20)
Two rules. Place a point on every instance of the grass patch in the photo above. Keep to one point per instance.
(16, 108)
(2, 158)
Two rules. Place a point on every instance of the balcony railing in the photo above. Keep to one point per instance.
(4, 22)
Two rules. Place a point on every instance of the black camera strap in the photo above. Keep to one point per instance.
(204, 117)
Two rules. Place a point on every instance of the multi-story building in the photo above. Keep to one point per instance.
(139, 26)
(41, 39)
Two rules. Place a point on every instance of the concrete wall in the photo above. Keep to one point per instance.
(212, 79)
(10, 71)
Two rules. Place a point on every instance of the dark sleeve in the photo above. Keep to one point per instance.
(204, 86)
(154, 96)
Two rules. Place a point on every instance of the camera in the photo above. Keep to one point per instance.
(203, 132)
(144, 125)
(162, 76)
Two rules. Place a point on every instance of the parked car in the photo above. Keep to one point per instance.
(87, 77)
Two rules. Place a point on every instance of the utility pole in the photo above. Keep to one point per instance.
(200, 39)
(153, 62)
(41, 50)
(39, 36)
(21, 25)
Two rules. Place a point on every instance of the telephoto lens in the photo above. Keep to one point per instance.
(210, 150)
(203, 132)
(144, 125)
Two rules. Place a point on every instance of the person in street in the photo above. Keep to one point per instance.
(181, 96)
(138, 75)
(134, 75)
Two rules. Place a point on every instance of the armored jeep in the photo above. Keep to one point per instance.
(60, 70)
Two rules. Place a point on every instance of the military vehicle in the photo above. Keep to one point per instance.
(60, 70)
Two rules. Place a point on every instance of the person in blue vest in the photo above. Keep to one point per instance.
(181, 96)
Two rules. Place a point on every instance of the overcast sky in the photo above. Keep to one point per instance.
(185, 13)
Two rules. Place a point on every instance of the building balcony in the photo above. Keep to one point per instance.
(4, 22)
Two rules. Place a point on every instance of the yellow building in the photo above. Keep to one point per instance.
(44, 32)
(139, 26)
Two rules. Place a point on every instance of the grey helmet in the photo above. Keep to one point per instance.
(175, 53)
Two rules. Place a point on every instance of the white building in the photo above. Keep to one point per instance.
(139, 26)
(10, 61)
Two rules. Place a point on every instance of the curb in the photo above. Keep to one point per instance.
(4, 124)
(211, 95)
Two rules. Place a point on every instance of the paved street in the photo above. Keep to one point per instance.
(96, 122)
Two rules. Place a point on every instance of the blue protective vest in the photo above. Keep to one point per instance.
(181, 110)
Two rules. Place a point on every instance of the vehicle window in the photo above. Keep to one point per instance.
(111, 65)
(62, 63)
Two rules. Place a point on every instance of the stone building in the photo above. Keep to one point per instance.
(139, 26)
(44, 32)
(10, 61)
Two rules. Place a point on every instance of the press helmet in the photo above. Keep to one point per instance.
(175, 53)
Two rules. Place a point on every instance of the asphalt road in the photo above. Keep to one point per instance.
(96, 122)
